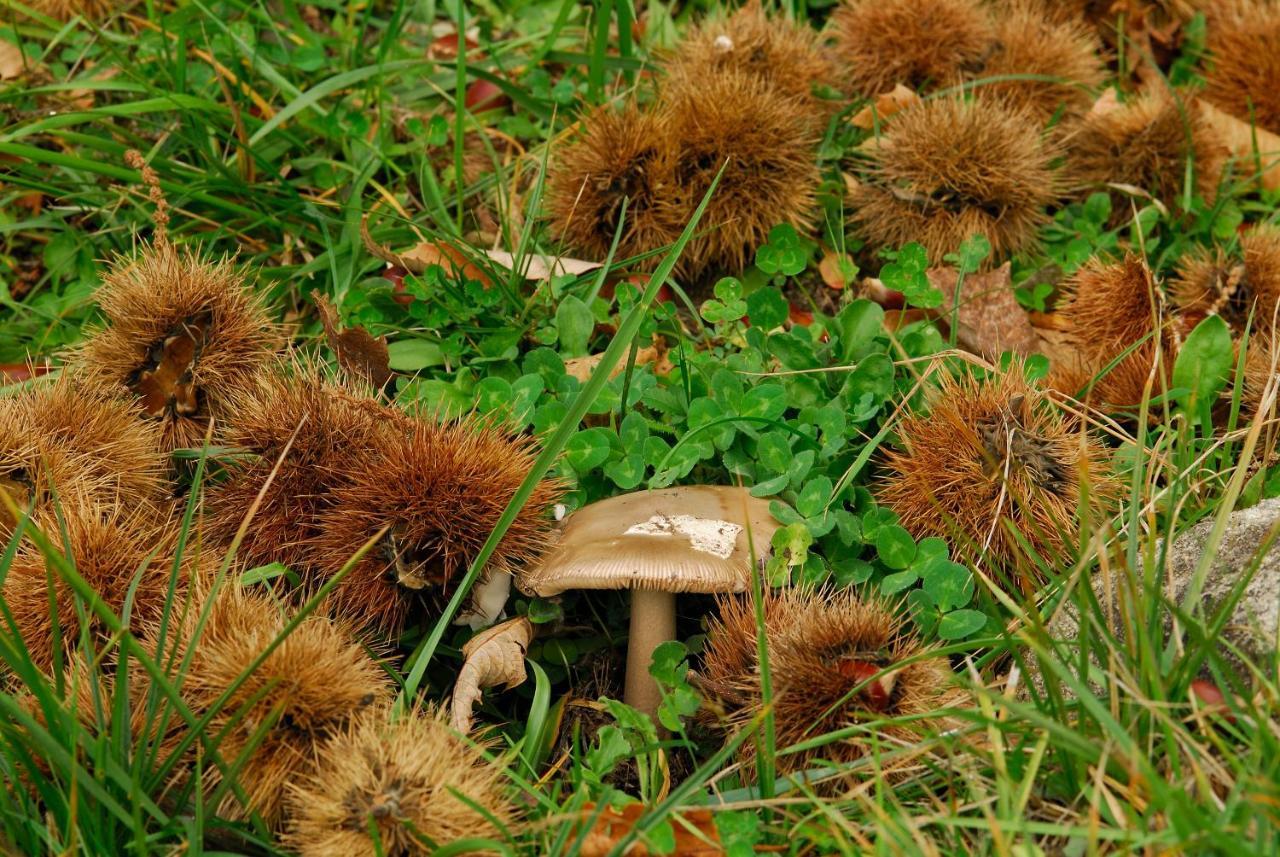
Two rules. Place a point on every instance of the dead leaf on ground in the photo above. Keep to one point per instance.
(1107, 102)
(656, 354)
(359, 352)
(695, 832)
(883, 106)
(990, 319)
(14, 373)
(12, 64)
(837, 269)
(536, 267)
(491, 658)
(417, 259)
(1245, 142)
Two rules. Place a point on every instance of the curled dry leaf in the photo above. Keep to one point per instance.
(656, 354)
(359, 352)
(883, 106)
(694, 829)
(491, 658)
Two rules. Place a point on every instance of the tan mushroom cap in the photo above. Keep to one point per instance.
(693, 538)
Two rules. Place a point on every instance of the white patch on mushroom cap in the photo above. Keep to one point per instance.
(705, 534)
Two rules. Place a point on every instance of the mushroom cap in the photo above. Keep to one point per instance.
(693, 538)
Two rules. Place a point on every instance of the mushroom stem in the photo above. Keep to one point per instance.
(653, 622)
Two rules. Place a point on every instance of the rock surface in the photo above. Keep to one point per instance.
(1252, 627)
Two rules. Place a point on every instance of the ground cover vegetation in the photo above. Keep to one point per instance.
(328, 329)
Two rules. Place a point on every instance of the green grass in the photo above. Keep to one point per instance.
(274, 138)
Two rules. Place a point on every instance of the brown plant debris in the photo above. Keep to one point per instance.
(822, 646)
(359, 352)
(412, 780)
(949, 169)
(990, 462)
(182, 335)
(491, 658)
(919, 43)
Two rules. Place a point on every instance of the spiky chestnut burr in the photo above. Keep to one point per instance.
(309, 689)
(437, 490)
(785, 54)
(1148, 143)
(948, 169)
(617, 154)
(766, 144)
(315, 434)
(1243, 75)
(183, 335)
(65, 10)
(1243, 288)
(64, 441)
(1064, 55)
(413, 780)
(837, 659)
(990, 464)
(919, 43)
(123, 554)
(1111, 309)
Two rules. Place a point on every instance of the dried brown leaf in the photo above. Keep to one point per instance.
(11, 62)
(491, 658)
(1245, 141)
(837, 269)
(883, 106)
(695, 832)
(359, 352)
(656, 354)
(990, 320)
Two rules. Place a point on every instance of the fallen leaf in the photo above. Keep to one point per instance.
(656, 354)
(12, 63)
(13, 373)
(485, 95)
(1107, 102)
(990, 319)
(359, 352)
(799, 315)
(1245, 142)
(695, 832)
(883, 106)
(537, 267)
(417, 259)
(490, 658)
(837, 269)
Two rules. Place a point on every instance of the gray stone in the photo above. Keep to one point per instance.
(1252, 627)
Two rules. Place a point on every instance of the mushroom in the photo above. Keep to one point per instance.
(695, 538)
